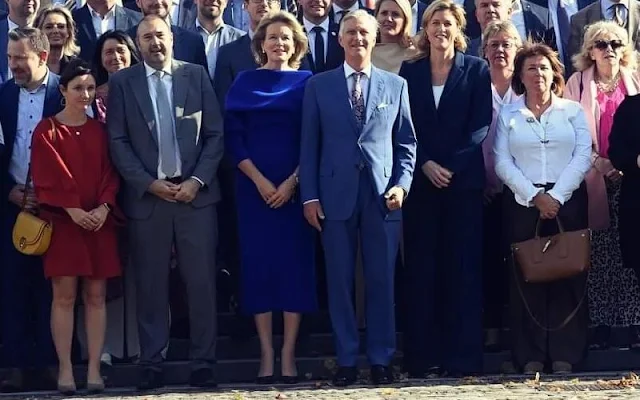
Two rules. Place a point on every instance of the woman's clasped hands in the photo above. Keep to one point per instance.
(276, 197)
(90, 220)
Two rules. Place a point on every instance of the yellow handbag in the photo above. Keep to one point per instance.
(31, 234)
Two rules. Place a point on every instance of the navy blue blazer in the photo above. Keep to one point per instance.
(234, 58)
(452, 134)
(422, 7)
(335, 52)
(9, 98)
(4, 40)
(187, 46)
(125, 20)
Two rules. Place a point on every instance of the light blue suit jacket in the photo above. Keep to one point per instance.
(332, 146)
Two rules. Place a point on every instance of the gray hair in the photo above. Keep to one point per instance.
(361, 15)
(37, 39)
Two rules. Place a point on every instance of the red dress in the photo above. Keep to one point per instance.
(73, 170)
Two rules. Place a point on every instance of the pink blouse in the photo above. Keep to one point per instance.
(608, 104)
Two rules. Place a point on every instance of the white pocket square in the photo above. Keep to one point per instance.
(381, 106)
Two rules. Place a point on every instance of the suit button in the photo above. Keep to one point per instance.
(361, 166)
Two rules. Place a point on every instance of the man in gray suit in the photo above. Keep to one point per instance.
(167, 148)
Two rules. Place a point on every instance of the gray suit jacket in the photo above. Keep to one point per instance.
(134, 139)
(593, 13)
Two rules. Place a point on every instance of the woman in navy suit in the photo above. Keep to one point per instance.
(450, 96)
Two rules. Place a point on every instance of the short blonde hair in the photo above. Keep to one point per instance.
(405, 7)
(70, 48)
(301, 44)
(459, 42)
(496, 27)
(583, 61)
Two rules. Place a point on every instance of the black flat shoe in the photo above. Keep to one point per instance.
(600, 338)
(203, 378)
(345, 376)
(290, 380)
(381, 375)
(265, 380)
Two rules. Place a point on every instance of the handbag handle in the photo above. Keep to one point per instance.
(29, 178)
(560, 227)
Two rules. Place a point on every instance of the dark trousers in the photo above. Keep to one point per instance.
(25, 304)
(443, 286)
(379, 239)
(550, 303)
(495, 251)
(194, 233)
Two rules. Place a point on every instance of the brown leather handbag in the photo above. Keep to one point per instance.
(546, 259)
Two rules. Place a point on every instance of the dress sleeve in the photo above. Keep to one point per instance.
(110, 181)
(53, 182)
(234, 132)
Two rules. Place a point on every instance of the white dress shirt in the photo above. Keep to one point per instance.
(100, 24)
(364, 81)
(556, 149)
(571, 6)
(517, 17)
(308, 26)
(12, 25)
(30, 108)
(415, 24)
(167, 82)
(211, 45)
(337, 9)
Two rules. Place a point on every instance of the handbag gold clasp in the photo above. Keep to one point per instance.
(546, 245)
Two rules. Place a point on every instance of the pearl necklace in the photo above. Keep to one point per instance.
(610, 86)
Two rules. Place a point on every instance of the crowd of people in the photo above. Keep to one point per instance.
(309, 148)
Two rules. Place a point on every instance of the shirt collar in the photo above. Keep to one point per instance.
(348, 71)
(149, 70)
(508, 98)
(606, 5)
(308, 25)
(354, 7)
(201, 28)
(42, 87)
(557, 103)
(110, 14)
(12, 25)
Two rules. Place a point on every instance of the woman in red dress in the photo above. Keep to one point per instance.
(77, 186)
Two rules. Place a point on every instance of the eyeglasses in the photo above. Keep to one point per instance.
(505, 45)
(604, 44)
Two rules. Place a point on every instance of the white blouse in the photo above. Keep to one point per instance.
(556, 149)
(437, 93)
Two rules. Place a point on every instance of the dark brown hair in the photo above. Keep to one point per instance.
(538, 49)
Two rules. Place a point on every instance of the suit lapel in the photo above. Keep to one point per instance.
(12, 117)
(376, 89)
(455, 74)
(424, 85)
(122, 22)
(334, 51)
(180, 87)
(140, 88)
(51, 98)
(87, 23)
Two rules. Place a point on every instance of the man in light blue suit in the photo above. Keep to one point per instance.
(356, 166)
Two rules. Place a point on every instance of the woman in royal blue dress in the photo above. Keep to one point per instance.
(262, 129)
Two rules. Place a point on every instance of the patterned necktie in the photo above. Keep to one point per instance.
(357, 98)
(70, 4)
(165, 128)
(618, 14)
(292, 7)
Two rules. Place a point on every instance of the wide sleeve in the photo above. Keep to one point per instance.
(404, 152)
(235, 134)
(506, 168)
(53, 182)
(479, 117)
(310, 145)
(110, 180)
(573, 174)
(623, 149)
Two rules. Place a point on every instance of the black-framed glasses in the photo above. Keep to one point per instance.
(604, 44)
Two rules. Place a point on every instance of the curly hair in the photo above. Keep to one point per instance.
(583, 60)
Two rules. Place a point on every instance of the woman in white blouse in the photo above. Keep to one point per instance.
(500, 42)
(543, 151)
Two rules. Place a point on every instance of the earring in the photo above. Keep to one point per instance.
(553, 86)
(63, 101)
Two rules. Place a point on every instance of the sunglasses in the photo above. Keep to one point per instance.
(603, 44)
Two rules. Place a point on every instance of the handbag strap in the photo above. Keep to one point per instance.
(29, 178)
(569, 317)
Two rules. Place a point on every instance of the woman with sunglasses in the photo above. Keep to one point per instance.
(606, 74)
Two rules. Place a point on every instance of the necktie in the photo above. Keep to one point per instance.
(165, 129)
(70, 4)
(341, 15)
(618, 14)
(564, 30)
(292, 7)
(319, 49)
(357, 99)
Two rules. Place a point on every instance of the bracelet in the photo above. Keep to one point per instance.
(105, 205)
